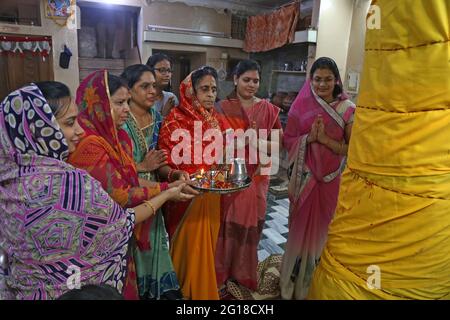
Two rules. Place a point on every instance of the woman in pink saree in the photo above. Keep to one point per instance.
(316, 137)
(243, 213)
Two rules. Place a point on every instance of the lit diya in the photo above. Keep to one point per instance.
(218, 181)
(200, 176)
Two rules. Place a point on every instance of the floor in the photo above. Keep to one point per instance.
(274, 237)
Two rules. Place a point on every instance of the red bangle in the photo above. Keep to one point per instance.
(163, 186)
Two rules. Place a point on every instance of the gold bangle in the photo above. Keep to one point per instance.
(151, 206)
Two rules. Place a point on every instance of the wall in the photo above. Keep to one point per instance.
(206, 55)
(157, 13)
(333, 36)
(213, 54)
(139, 5)
(237, 7)
(213, 58)
(341, 35)
(275, 60)
(180, 15)
(355, 57)
(133, 3)
(60, 36)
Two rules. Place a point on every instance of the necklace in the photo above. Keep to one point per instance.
(145, 123)
(142, 141)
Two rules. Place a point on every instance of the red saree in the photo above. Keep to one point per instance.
(106, 154)
(243, 213)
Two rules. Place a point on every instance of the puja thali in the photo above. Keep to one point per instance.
(218, 182)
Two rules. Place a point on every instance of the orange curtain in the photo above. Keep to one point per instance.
(267, 32)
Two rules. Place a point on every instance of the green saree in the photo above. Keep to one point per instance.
(155, 274)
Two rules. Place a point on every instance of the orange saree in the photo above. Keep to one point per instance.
(193, 226)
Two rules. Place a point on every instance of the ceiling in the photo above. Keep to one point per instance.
(249, 6)
(261, 3)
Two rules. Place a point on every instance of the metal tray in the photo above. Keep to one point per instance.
(238, 187)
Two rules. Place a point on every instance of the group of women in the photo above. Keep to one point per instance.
(90, 183)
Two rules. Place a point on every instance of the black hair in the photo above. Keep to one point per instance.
(92, 292)
(133, 73)
(330, 64)
(157, 57)
(246, 65)
(154, 59)
(115, 83)
(198, 74)
(55, 93)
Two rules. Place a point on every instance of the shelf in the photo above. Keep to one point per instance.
(289, 71)
(191, 39)
(305, 36)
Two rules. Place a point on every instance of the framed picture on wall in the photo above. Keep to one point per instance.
(58, 8)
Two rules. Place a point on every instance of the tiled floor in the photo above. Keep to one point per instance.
(274, 237)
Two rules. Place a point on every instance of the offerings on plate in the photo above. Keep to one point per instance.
(218, 181)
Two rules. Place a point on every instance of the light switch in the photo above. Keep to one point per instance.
(353, 82)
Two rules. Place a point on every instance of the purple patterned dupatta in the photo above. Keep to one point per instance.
(313, 186)
(57, 224)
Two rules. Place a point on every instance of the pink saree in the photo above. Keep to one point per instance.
(243, 213)
(313, 186)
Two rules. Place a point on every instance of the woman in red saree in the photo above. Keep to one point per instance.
(106, 153)
(243, 213)
(193, 227)
(316, 137)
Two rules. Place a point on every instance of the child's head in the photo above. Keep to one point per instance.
(92, 292)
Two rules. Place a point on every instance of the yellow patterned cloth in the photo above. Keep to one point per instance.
(393, 214)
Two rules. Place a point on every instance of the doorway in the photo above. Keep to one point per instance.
(107, 38)
(184, 62)
(18, 69)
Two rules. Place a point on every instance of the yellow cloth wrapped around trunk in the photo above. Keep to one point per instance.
(393, 210)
